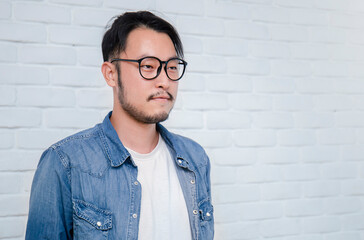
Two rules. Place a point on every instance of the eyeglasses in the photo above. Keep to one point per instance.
(150, 67)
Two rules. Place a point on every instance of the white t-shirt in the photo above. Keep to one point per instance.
(163, 213)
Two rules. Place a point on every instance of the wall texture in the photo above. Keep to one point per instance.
(274, 92)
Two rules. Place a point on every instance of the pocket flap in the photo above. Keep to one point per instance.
(98, 218)
(206, 210)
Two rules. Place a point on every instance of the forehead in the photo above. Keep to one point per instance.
(147, 42)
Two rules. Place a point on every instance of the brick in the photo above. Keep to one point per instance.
(15, 226)
(360, 136)
(343, 205)
(336, 136)
(264, 2)
(309, 51)
(192, 82)
(232, 10)
(189, 7)
(347, 53)
(259, 174)
(249, 230)
(76, 76)
(95, 98)
(200, 26)
(319, 153)
(255, 138)
(23, 32)
(206, 64)
(353, 222)
(223, 175)
(275, 191)
(5, 10)
(233, 156)
(270, 15)
(314, 120)
(355, 6)
(40, 12)
(207, 101)
(10, 183)
(350, 86)
(269, 50)
(296, 3)
(290, 34)
(39, 139)
(315, 85)
(248, 66)
(272, 120)
(20, 117)
(291, 68)
(83, 36)
(340, 170)
(14, 205)
(185, 120)
(229, 83)
(273, 85)
(327, 35)
(13, 74)
(350, 119)
(246, 30)
(46, 97)
(47, 55)
(279, 155)
(292, 103)
(7, 96)
(321, 188)
(210, 139)
(346, 20)
(142, 4)
(8, 51)
(89, 56)
(227, 120)
(223, 212)
(79, 2)
(71, 118)
(355, 36)
(192, 44)
(304, 207)
(296, 137)
(18, 160)
(309, 17)
(333, 102)
(232, 47)
(321, 225)
(231, 194)
(301, 172)
(93, 17)
(344, 236)
(280, 228)
(353, 152)
(7, 139)
(355, 70)
(261, 211)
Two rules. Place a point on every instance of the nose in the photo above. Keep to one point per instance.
(162, 81)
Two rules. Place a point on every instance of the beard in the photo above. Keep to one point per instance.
(137, 114)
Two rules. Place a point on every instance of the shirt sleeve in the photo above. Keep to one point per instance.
(50, 206)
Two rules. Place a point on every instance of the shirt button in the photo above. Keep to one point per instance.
(135, 215)
(135, 183)
(98, 224)
(195, 212)
(208, 214)
(180, 161)
(192, 181)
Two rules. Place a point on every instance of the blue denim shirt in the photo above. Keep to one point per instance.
(85, 187)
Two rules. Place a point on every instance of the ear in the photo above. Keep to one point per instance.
(110, 73)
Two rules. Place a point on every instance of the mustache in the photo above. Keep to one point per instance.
(154, 95)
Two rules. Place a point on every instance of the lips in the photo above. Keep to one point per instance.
(161, 96)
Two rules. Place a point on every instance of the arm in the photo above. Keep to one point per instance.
(50, 206)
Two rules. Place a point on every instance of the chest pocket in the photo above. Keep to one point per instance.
(90, 222)
(206, 211)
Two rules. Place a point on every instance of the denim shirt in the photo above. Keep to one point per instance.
(85, 187)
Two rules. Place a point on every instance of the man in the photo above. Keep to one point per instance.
(128, 177)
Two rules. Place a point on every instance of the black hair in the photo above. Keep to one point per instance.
(114, 40)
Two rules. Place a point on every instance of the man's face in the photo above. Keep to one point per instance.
(147, 101)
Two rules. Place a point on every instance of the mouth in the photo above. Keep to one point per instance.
(161, 96)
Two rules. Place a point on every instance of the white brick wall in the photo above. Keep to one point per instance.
(274, 92)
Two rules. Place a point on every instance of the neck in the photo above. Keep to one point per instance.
(140, 137)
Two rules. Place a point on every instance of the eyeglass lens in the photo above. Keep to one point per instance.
(151, 67)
